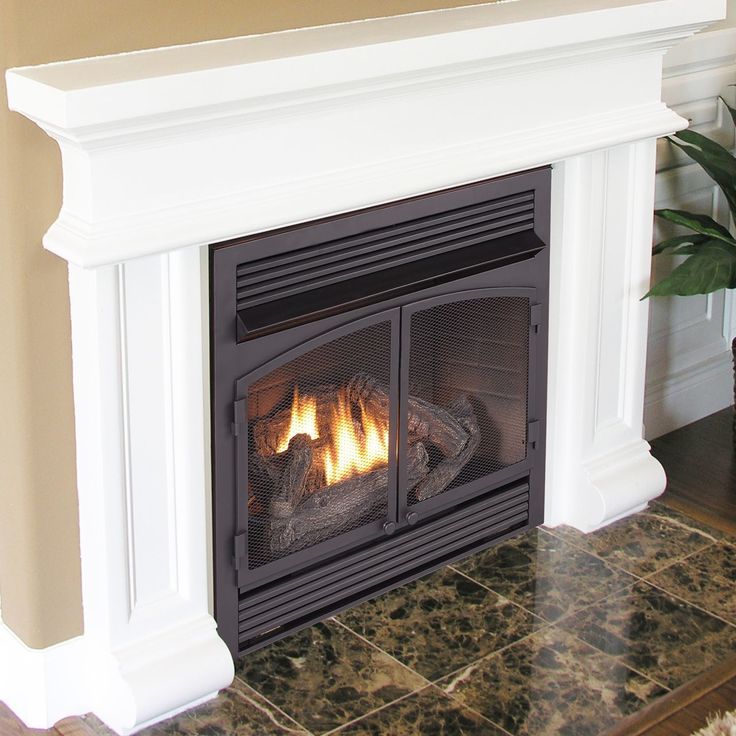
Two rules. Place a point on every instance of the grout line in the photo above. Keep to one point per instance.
(478, 713)
(467, 671)
(667, 688)
(273, 705)
(503, 597)
(681, 524)
(681, 559)
(476, 662)
(617, 566)
(431, 686)
(597, 603)
(383, 651)
(689, 603)
(611, 594)
(629, 583)
(433, 683)
(375, 710)
(592, 553)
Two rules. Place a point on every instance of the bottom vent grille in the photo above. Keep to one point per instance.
(279, 609)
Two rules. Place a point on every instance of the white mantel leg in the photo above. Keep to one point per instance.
(599, 467)
(142, 444)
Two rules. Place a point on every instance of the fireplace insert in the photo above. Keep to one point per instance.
(378, 399)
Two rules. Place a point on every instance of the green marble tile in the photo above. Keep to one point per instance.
(427, 713)
(654, 633)
(706, 579)
(237, 711)
(440, 623)
(545, 574)
(642, 543)
(551, 683)
(325, 676)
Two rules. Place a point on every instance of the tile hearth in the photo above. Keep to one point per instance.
(554, 632)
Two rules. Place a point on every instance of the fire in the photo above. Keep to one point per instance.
(303, 419)
(355, 447)
(358, 440)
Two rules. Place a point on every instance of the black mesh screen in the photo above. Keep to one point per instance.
(318, 443)
(468, 386)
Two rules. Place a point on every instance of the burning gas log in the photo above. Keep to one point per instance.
(443, 474)
(307, 415)
(314, 415)
(426, 422)
(336, 507)
(322, 464)
(292, 484)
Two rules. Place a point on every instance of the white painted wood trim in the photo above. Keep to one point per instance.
(284, 69)
(598, 464)
(140, 386)
(42, 686)
(296, 126)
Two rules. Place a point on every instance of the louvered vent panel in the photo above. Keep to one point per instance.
(404, 254)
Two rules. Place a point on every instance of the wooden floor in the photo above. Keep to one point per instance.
(701, 470)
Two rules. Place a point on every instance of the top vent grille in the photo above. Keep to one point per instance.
(314, 277)
(309, 268)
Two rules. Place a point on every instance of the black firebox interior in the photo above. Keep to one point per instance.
(378, 399)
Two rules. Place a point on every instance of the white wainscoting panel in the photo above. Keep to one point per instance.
(689, 371)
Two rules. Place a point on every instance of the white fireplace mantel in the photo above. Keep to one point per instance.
(166, 151)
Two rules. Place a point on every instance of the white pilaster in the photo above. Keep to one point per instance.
(139, 386)
(598, 464)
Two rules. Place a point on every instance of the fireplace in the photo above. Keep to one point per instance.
(378, 398)
(168, 151)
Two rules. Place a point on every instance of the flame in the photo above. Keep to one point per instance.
(303, 419)
(355, 446)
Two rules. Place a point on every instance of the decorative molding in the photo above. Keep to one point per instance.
(168, 150)
(342, 189)
(195, 144)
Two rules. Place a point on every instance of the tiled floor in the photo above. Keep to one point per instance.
(554, 632)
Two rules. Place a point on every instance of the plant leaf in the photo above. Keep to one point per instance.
(731, 110)
(719, 155)
(699, 223)
(680, 245)
(711, 268)
(714, 159)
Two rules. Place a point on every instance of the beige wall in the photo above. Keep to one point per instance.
(39, 541)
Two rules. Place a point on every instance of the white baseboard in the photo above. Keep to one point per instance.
(129, 689)
(689, 395)
(42, 686)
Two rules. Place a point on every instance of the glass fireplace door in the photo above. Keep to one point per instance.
(465, 396)
(316, 464)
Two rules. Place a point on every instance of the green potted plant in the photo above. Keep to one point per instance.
(709, 248)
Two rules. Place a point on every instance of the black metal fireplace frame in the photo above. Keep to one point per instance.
(252, 334)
